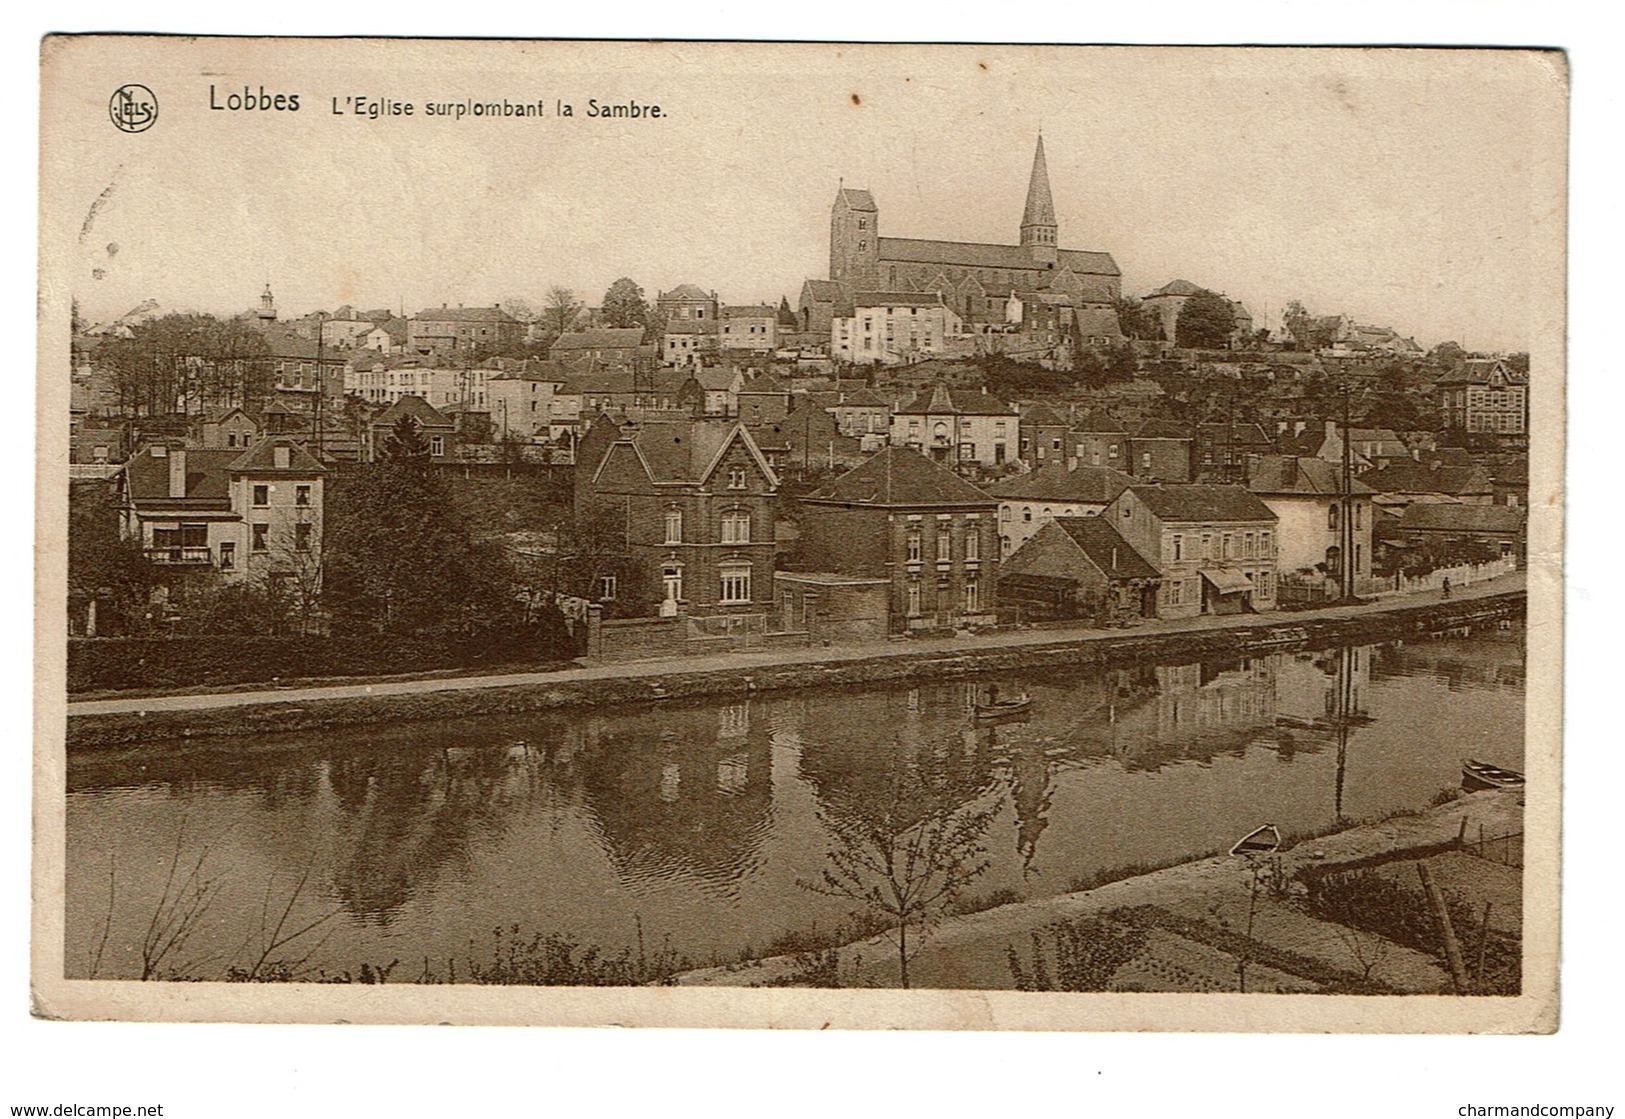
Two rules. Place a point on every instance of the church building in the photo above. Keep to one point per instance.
(977, 282)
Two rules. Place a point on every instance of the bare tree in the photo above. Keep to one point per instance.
(907, 859)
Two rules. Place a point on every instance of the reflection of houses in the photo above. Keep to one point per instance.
(1207, 708)
(928, 533)
(1078, 567)
(247, 514)
(683, 793)
(1028, 501)
(1213, 545)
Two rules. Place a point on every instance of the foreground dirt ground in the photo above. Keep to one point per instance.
(1220, 924)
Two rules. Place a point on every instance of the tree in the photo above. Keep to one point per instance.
(188, 363)
(559, 310)
(1205, 322)
(1136, 321)
(624, 305)
(399, 559)
(1518, 363)
(405, 445)
(909, 854)
(1447, 355)
(520, 308)
(105, 570)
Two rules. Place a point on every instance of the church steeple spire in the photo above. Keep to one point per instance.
(1038, 226)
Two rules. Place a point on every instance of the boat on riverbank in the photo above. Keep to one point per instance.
(995, 709)
(1476, 775)
(1260, 841)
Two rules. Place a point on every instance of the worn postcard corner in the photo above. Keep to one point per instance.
(787, 535)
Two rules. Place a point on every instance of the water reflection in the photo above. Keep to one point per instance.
(696, 821)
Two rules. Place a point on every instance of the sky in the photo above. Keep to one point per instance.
(1393, 186)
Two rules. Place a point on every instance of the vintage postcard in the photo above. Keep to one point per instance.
(800, 535)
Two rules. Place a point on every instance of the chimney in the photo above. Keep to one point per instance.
(177, 472)
(1292, 470)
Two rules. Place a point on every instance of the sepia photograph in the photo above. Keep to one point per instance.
(800, 534)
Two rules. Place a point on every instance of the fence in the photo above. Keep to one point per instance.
(1462, 575)
(1504, 849)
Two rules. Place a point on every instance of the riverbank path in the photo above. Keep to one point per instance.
(744, 660)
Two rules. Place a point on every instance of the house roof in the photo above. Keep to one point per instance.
(1177, 287)
(602, 338)
(1479, 371)
(1099, 423)
(689, 292)
(941, 400)
(900, 478)
(688, 451)
(1093, 319)
(261, 459)
(1298, 475)
(1416, 477)
(716, 378)
(764, 383)
(1462, 518)
(690, 326)
(415, 406)
(1106, 548)
(821, 291)
(970, 254)
(465, 314)
(1248, 434)
(1160, 429)
(208, 477)
(750, 311)
(1041, 415)
(1094, 485)
(1185, 502)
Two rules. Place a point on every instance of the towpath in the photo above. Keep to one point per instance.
(745, 660)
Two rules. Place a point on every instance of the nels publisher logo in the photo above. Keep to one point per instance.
(133, 108)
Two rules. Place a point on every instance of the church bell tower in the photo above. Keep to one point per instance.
(1039, 235)
(854, 240)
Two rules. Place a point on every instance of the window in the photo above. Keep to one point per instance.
(736, 478)
(863, 246)
(736, 528)
(735, 585)
(1265, 551)
(1027, 514)
(1331, 517)
(437, 445)
(945, 544)
(261, 534)
(1176, 592)
(1207, 545)
(1004, 513)
(607, 586)
(863, 223)
(972, 597)
(301, 495)
(913, 545)
(228, 556)
(674, 526)
(231, 438)
(914, 598)
(1249, 545)
(1224, 547)
(1357, 508)
(1179, 547)
(973, 543)
(301, 536)
(1145, 460)
(262, 496)
(671, 577)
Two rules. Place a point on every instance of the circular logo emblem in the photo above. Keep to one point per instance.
(133, 108)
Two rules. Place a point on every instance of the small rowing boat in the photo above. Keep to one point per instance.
(1478, 775)
(1003, 708)
(1260, 841)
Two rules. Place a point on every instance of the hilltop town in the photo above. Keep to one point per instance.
(936, 438)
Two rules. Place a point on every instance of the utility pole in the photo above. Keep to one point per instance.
(1346, 520)
(321, 377)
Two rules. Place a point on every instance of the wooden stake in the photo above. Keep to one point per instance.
(1483, 941)
(1441, 915)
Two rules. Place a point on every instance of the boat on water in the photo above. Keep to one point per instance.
(1477, 775)
(1260, 841)
(995, 708)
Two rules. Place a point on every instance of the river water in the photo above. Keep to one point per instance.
(697, 829)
